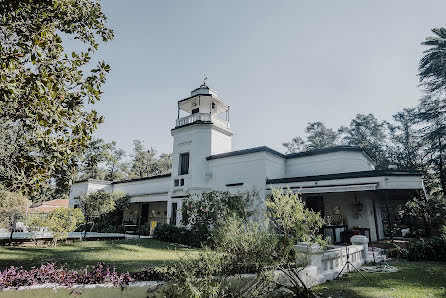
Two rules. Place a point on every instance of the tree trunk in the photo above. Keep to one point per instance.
(441, 167)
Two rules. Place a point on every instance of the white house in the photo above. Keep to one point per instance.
(340, 182)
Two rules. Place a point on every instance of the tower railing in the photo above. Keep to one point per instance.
(203, 117)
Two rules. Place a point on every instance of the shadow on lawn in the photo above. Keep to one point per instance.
(126, 255)
(412, 278)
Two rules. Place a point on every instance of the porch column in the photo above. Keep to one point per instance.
(388, 214)
(179, 212)
(169, 211)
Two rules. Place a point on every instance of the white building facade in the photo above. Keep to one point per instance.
(339, 182)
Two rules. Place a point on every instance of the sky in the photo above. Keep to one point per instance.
(279, 64)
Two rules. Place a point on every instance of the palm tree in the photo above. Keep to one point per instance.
(432, 68)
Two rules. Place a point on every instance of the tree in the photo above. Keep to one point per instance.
(205, 211)
(432, 112)
(61, 221)
(43, 89)
(432, 68)
(10, 204)
(405, 141)
(164, 164)
(92, 160)
(114, 162)
(244, 246)
(96, 203)
(145, 163)
(295, 145)
(319, 136)
(368, 133)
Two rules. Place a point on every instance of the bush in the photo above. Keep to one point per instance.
(111, 220)
(250, 245)
(14, 277)
(204, 212)
(97, 203)
(10, 203)
(430, 249)
(62, 220)
(180, 235)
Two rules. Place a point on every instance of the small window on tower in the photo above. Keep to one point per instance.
(194, 111)
(184, 164)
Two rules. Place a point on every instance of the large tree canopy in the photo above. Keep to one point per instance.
(432, 68)
(43, 89)
(369, 133)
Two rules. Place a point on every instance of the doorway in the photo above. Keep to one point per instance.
(316, 204)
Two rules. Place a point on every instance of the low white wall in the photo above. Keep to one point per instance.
(326, 265)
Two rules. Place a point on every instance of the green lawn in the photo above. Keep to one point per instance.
(127, 255)
(413, 279)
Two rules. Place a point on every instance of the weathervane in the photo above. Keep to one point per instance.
(204, 79)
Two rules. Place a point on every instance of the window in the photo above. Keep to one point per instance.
(195, 111)
(184, 164)
(176, 182)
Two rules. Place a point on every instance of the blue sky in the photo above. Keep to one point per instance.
(279, 64)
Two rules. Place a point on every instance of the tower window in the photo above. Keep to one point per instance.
(184, 164)
(195, 111)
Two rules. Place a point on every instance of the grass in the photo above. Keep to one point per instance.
(126, 255)
(413, 279)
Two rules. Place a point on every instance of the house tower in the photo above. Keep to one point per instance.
(202, 129)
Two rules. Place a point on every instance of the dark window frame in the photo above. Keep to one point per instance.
(184, 163)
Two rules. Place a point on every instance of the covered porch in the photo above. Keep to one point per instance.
(142, 217)
(355, 203)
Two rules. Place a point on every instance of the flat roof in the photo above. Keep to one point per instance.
(361, 174)
(292, 155)
(124, 181)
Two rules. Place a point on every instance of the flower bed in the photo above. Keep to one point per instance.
(50, 273)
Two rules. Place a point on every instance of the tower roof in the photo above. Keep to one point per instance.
(203, 95)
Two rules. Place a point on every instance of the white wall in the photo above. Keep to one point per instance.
(328, 163)
(142, 187)
(87, 187)
(201, 141)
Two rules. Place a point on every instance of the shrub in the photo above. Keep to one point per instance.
(431, 249)
(249, 245)
(97, 203)
(10, 203)
(180, 235)
(14, 277)
(290, 217)
(60, 221)
(111, 222)
(204, 212)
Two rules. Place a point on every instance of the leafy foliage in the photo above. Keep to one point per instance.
(96, 203)
(242, 246)
(368, 133)
(432, 65)
(43, 89)
(180, 235)
(319, 136)
(14, 277)
(296, 144)
(205, 211)
(428, 214)
(111, 221)
(290, 216)
(11, 203)
(146, 164)
(62, 220)
(428, 249)
(405, 145)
